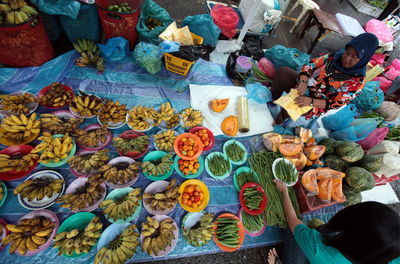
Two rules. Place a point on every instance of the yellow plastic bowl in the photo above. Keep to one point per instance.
(203, 188)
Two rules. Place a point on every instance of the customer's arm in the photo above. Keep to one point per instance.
(307, 70)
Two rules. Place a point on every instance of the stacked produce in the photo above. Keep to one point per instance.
(158, 236)
(120, 249)
(87, 163)
(252, 223)
(28, 234)
(142, 117)
(285, 172)
(56, 96)
(120, 173)
(53, 149)
(235, 152)
(252, 198)
(164, 200)
(188, 166)
(92, 138)
(165, 140)
(192, 196)
(14, 12)
(78, 241)
(227, 231)
(191, 117)
(16, 104)
(39, 188)
(122, 207)
(60, 125)
(17, 129)
(121, 8)
(158, 167)
(245, 177)
(90, 54)
(111, 112)
(204, 137)
(87, 195)
(85, 105)
(218, 165)
(167, 114)
(17, 163)
(200, 233)
(138, 144)
(187, 146)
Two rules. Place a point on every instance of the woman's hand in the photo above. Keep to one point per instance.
(303, 101)
(302, 88)
(281, 186)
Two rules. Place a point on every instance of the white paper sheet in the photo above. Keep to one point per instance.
(383, 194)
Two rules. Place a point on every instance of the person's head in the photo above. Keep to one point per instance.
(365, 233)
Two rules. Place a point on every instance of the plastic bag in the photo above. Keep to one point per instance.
(379, 29)
(259, 93)
(231, 66)
(390, 110)
(281, 56)
(267, 67)
(169, 46)
(384, 83)
(391, 165)
(193, 53)
(377, 136)
(147, 55)
(353, 133)
(377, 59)
(226, 19)
(203, 25)
(340, 119)
(370, 98)
(60, 7)
(116, 49)
(392, 73)
(252, 47)
(283, 131)
(386, 146)
(151, 9)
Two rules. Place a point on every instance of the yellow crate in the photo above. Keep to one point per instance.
(197, 39)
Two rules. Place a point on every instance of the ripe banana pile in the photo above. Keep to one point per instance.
(166, 111)
(78, 241)
(53, 149)
(112, 112)
(85, 105)
(120, 173)
(90, 162)
(165, 140)
(158, 167)
(16, 11)
(16, 103)
(29, 234)
(138, 144)
(17, 129)
(165, 200)
(120, 249)
(142, 117)
(191, 117)
(122, 207)
(59, 125)
(56, 96)
(92, 138)
(90, 54)
(17, 163)
(158, 235)
(39, 188)
(122, 8)
(201, 232)
(173, 121)
(85, 196)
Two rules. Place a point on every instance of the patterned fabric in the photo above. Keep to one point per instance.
(337, 89)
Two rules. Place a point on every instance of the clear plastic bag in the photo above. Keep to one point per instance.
(116, 49)
(259, 93)
(341, 119)
(353, 133)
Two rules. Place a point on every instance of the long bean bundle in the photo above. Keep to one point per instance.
(252, 223)
(285, 172)
(235, 152)
(245, 177)
(252, 198)
(218, 165)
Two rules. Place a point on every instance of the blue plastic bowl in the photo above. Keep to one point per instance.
(155, 155)
(189, 176)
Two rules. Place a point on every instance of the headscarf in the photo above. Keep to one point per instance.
(365, 44)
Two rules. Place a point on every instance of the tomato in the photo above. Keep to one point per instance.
(186, 171)
(189, 203)
(189, 189)
(194, 171)
(201, 195)
(190, 167)
(184, 139)
(184, 201)
(185, 148)
(196, 198)
(191, 162)
(195, 205)
(181, 168)
(192, 198)
(185, 196)
(204, 131)
(206, 143)
(180, 162)
(186, 163)
(197, 188)
(190, 153)
(196, 165)
(195, 193)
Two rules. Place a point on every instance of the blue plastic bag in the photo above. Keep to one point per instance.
(116, 49)
(370, 98)
(203, 25)
(59, 7)
(169, 46)
(281, 56)
(341, 119)
(353, 133)
(147, 55)
(259, 93)
(283, 131)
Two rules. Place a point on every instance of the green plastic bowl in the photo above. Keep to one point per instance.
(240, 170)
(118, 193)
(190, 176)
(61, 162)
(76, 221)
(3, 199)
(155, 155)
(208, 169)
(229, 142)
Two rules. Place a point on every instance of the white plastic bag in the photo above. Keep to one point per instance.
(386, 146)
(391, 165)
(258, 23)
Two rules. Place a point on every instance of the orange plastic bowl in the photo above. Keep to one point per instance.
(241, 233)
(203, 188)
(210, 136)
(196, 139)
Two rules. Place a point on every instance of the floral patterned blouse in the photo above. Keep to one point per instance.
(337, 89)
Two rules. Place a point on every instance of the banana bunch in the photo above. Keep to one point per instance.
(122, 8)
(85, 196)
(173, 121)
(16, 103)
(60, 125)
(191, 117)
(165, 200)
(111, 112)
(124, 145)
(165, 140)
(39, 188)
(17, 129)
(56, 96)
(87, 163)
(90, 54)
(16, 11)
(120, 173)
(122, 207)
(29, 234)
(91, 138)
(17, 163)
(53, 149)
(85, 105)
(166, 111)
(158, 235)
(119, 250)
(158, 167)
(142, 117)
(78, 241)
(201, 232)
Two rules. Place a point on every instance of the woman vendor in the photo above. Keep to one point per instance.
(330, 81)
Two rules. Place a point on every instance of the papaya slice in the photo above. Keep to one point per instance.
(325, 189)
(299, 161)
(314, 152)
(272, 140)
(290, 139)
(311, 142)
(337, 191)
(323, 173)
(309, 181)
(304, 134)
(218, 105)
(290, 149)
(230, 126)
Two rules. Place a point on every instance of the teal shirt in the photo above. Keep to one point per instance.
(310, 242)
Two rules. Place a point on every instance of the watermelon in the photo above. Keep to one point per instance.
(360, 179)
(336, 163)
(315, 222)
(330, 145)
(353, 196)
(371, 163)
(350, 152)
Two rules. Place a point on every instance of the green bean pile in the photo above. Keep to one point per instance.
(252, 223)
(261, 163)
(252, 198)
(235, 152)
(218, 165)
(245, 177)
(285, 172)
(227, 231)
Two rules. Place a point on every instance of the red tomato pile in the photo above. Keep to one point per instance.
(188, 146)
(192, 196)
(203, 135)
(188, 166)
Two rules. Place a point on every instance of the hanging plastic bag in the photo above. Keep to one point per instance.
(267, 67)
(353, 133)
(147, 55)
(203, 25)
(226, 19)
(259, 93)
(281, 56)
(370, 98)
(377, 136)
(152, 21)
(340, 119)
(115, 49)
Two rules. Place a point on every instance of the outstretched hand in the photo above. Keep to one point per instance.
(281, 186)
(303, 101)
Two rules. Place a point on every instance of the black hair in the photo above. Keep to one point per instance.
(365, 233)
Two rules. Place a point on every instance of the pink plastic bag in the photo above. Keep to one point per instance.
(226, 19)
(395, 64)
(384, 83)
(380, 30)
(378, 59)
(376, 137)
(267, 67)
